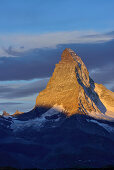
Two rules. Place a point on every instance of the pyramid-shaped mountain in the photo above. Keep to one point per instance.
(72, 88)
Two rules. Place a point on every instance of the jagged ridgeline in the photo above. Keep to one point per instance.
(72, 88)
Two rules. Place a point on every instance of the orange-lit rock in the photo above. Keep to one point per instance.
(17, 113)
(71, 87)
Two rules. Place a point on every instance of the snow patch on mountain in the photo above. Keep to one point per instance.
(107, 116)
(38, 122)
(109, 128)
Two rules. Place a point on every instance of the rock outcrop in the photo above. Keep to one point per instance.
(72, 88)
(17, 113)
(5, 113)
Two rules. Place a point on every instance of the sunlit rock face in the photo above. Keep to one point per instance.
(71, 87)
(63, 87)
(17, 113)
(107, 98)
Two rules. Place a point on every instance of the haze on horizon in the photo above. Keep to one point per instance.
(33, 35)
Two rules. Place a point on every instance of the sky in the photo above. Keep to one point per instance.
(33, 34)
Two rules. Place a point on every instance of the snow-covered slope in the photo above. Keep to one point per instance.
(52, 116)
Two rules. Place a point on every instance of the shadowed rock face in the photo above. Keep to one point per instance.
(106, 96)
(71, 87)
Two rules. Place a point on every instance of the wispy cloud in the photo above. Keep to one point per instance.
(21, 89)
(104, 75)
(9, 103)
(40, 62)
(20, 94)
(22, 43)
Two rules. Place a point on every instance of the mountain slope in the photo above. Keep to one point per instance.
(54, 140)
(71, 87)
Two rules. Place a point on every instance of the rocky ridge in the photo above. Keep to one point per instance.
(72, 88)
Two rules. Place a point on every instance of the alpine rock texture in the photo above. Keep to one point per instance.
(72, 88)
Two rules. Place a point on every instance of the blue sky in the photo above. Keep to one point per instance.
(43, 16)
(33, 34)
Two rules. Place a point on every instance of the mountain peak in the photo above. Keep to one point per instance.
(71, 87)
(67, 55)
(70, 56)
(64, 86)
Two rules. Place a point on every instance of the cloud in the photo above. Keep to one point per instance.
(9, 103)
(104, 75)
(20, 94)
(12, 107)
(21, 90)
(40, 63)
(48, 40)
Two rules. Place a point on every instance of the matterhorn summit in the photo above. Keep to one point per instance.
(72, 88)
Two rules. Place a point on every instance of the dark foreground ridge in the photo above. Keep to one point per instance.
(52, 140)
(10, 168)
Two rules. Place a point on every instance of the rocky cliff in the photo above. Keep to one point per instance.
(72, 88)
